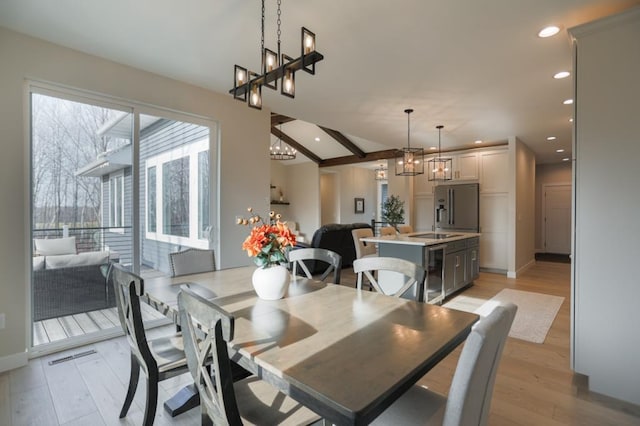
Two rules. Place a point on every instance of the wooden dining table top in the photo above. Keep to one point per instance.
(344, 353)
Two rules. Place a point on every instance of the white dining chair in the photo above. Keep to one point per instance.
(331, 259)
(363, 248)
(247, 401)
(192, 261)
(410, 276)
(405, 229)
(469, 399)
(387, 230)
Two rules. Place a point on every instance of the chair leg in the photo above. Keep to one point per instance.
(152, 399)
(133, 384)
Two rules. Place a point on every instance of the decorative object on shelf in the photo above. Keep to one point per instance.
(381, 172)
(412, 162)
(359, 205)
(440, 168)
(281, 151)
(267, 244)
(275, 65)
(393, 211)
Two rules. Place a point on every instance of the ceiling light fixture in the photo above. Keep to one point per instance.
(560, 150)
(561, 74)
(565, 159)
(317, 139)
(412, 162)
(551, 138)
(440, 168)
(275, 66)
(381, 172)
(549, 31)
(478, 141)
(567, 101)
(281, 151)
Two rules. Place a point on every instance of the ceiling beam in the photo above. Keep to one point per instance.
(295, 145)
(344, 141)
(279, 119)
(352, 159)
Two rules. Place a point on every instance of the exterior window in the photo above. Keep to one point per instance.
(116, 201)
(151, 199)
(177, 197)
(203, 194)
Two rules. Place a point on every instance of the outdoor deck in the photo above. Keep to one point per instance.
(55, 329)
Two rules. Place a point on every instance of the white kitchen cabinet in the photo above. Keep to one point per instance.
(465, 166)
(494, 171)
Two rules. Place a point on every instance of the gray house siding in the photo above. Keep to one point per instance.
(160, 137)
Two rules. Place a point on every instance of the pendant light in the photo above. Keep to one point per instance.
(440, 168)
(280, 150)
(381, 172)
(412, 162)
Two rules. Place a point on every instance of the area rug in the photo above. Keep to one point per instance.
(534, 317)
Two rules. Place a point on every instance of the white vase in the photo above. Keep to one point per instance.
(271, 283)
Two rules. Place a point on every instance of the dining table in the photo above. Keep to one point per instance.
(344, 353)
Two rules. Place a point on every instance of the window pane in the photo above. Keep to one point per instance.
(203, 193)
(118, 201)
(151, 199)
(175, 197)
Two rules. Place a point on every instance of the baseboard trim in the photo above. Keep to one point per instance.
(494, 271)
(13, 361)
(515, 274)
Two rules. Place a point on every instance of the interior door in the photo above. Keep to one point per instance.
(557, 216)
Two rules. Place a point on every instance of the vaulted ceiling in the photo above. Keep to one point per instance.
(477, 67)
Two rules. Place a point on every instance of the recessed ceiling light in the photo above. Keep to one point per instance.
(567, 101)
(433, 148)
(561, 74)
(317, 139)
(551, 138)
(565, 159)
(560, 150)
(548, 31)
(571, 120)
(478, 141)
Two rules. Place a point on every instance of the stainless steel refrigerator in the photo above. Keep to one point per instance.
(456, 207)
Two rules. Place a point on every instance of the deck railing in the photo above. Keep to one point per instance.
(93, 238)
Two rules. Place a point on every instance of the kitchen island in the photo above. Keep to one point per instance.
(450, 258)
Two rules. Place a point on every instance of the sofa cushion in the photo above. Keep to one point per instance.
(38, 263)
(55, 246)
(81, 259)
(338, 238)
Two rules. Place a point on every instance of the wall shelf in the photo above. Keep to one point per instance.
(286, 203)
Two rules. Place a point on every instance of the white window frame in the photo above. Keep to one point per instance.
(116, 227)
(190, 150)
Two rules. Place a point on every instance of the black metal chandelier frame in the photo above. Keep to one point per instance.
(440, 168)
(412, 162)
(247, 85)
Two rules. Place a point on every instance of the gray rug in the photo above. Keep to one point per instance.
(534, 317)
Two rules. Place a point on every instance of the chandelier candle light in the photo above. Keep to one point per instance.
(247, 85)
(440, 168)
(412, 162)
(281, 151)
(381, 172)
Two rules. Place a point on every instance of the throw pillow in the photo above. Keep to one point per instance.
(82, 259)
(38, 263)
(55, 246)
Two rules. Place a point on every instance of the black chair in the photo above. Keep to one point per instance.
(159, 359)
(328, 257)
(224, 402)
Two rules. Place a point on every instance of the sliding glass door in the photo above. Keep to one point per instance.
(109, 183)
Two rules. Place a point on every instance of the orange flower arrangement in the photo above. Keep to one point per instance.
(268, 241)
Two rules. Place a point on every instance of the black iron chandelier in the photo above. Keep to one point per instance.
(412, 162)
(381, 172)
(281, 151)
(247, 85)
(440, 168)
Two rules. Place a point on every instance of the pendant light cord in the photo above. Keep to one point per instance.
(262, 38)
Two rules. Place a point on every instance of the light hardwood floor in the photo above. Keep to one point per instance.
(534, 385)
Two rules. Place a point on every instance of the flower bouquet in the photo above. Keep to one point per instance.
(267, 244)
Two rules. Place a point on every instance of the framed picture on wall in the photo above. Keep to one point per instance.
(359, 205)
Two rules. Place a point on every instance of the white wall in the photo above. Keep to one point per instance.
(242, 130)
(303, 183)
(548, 174)
(525, 207)
(605, 284)
(355, 182)
(329, 198)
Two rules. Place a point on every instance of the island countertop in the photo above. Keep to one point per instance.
(421, 238)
